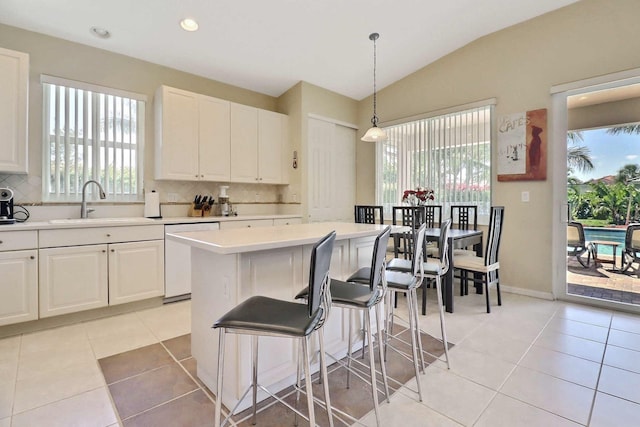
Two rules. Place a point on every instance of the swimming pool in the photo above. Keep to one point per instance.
(602, 233)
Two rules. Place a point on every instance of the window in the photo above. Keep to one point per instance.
(91, 132)
(449, 153)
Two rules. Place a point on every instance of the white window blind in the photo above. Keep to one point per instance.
(91, 132)
(450, 154)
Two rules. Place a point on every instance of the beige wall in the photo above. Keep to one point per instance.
(606, 114)
(518, 66)
(57, 57)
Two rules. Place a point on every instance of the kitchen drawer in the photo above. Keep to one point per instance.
(224, 225)
(287, 221)
(18, 240)
(97, 235)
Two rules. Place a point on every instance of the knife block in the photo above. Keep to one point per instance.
(193, 211)
(208, 211)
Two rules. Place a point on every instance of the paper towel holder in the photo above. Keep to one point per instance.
(152, 205)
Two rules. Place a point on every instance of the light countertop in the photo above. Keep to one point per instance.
(265, 238)
(128, 221)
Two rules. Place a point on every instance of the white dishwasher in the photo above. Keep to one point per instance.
(177, 260)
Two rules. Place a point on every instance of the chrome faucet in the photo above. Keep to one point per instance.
(84, 212)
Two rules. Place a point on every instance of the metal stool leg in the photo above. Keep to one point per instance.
(383, 366)
(219, 380)
(307, 379)
(442, 327)
(372, 367)
(414, 296)
(414, 346)
(349, 349)
(254, 375)
(323, 371)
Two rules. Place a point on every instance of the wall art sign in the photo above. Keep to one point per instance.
(522, 146)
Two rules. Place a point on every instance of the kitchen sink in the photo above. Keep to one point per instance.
(106, 221)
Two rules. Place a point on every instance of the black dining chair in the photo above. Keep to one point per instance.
(407, 216)
(488, 266)
(368, 214)
(264, 316)
(464, 217)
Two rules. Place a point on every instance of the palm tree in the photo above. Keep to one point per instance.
(578, 157)
(624, 129)
(628, 175)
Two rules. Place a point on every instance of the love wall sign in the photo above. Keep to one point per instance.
(522, 146)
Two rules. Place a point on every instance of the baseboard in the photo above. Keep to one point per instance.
(528, 292)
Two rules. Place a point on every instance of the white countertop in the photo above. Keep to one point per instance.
(128, 221)
(265, 238)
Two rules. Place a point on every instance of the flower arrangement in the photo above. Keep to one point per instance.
(419, 196)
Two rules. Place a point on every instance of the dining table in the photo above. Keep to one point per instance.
(458, 239)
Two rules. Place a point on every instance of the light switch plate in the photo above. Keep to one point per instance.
(525, 196)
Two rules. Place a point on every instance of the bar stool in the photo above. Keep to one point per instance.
(406, 276)
(263, 316)
(361, 297)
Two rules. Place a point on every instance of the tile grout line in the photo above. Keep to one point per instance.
(595, 391)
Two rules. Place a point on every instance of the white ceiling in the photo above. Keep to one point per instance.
(268, 46)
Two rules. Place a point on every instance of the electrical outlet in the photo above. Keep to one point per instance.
(525, 196)
(172, 197)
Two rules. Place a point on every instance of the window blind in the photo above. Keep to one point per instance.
(450, 154)
(91, 135)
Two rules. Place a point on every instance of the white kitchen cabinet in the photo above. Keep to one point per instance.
(19, 286)
(87, 268)
(287, 221)
(73, 279)
(14, 88)
(136, 271)
(18, 276)
(192, 136)
(258, 141)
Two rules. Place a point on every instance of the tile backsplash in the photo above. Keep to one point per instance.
(28, 190)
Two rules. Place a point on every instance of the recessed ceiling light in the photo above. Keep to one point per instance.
(189, 24)
(100, 32)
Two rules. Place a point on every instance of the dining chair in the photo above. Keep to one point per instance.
(368, 214)
(407, 216)
(577, 244)
(464, 217)
(264, 316)
(487, 266)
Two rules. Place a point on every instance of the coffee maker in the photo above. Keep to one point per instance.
(6, 206)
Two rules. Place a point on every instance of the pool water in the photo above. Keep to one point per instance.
(611, 234)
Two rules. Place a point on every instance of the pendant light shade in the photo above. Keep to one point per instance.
(374, 133)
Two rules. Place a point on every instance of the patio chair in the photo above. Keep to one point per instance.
(631, 251)
(577, 244)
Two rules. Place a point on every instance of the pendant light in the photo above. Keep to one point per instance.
(374, 133)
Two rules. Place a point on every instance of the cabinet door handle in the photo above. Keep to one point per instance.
(1, 242)
(104, 250)
(113, 250)
(108, 235)
(32, 257)
(260, 179)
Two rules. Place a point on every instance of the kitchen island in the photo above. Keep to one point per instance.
(229, 266)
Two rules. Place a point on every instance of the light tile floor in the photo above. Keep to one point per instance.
(530, 362)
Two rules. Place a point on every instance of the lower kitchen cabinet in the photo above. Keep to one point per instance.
(73, 279)
(19, 286)
(136, 271)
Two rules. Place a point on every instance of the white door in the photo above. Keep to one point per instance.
(331, 171)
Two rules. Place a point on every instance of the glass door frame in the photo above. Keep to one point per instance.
(559, 126)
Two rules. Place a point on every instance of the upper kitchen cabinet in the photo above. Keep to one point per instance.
(192, 136)
(14, 89)
(258, 144)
